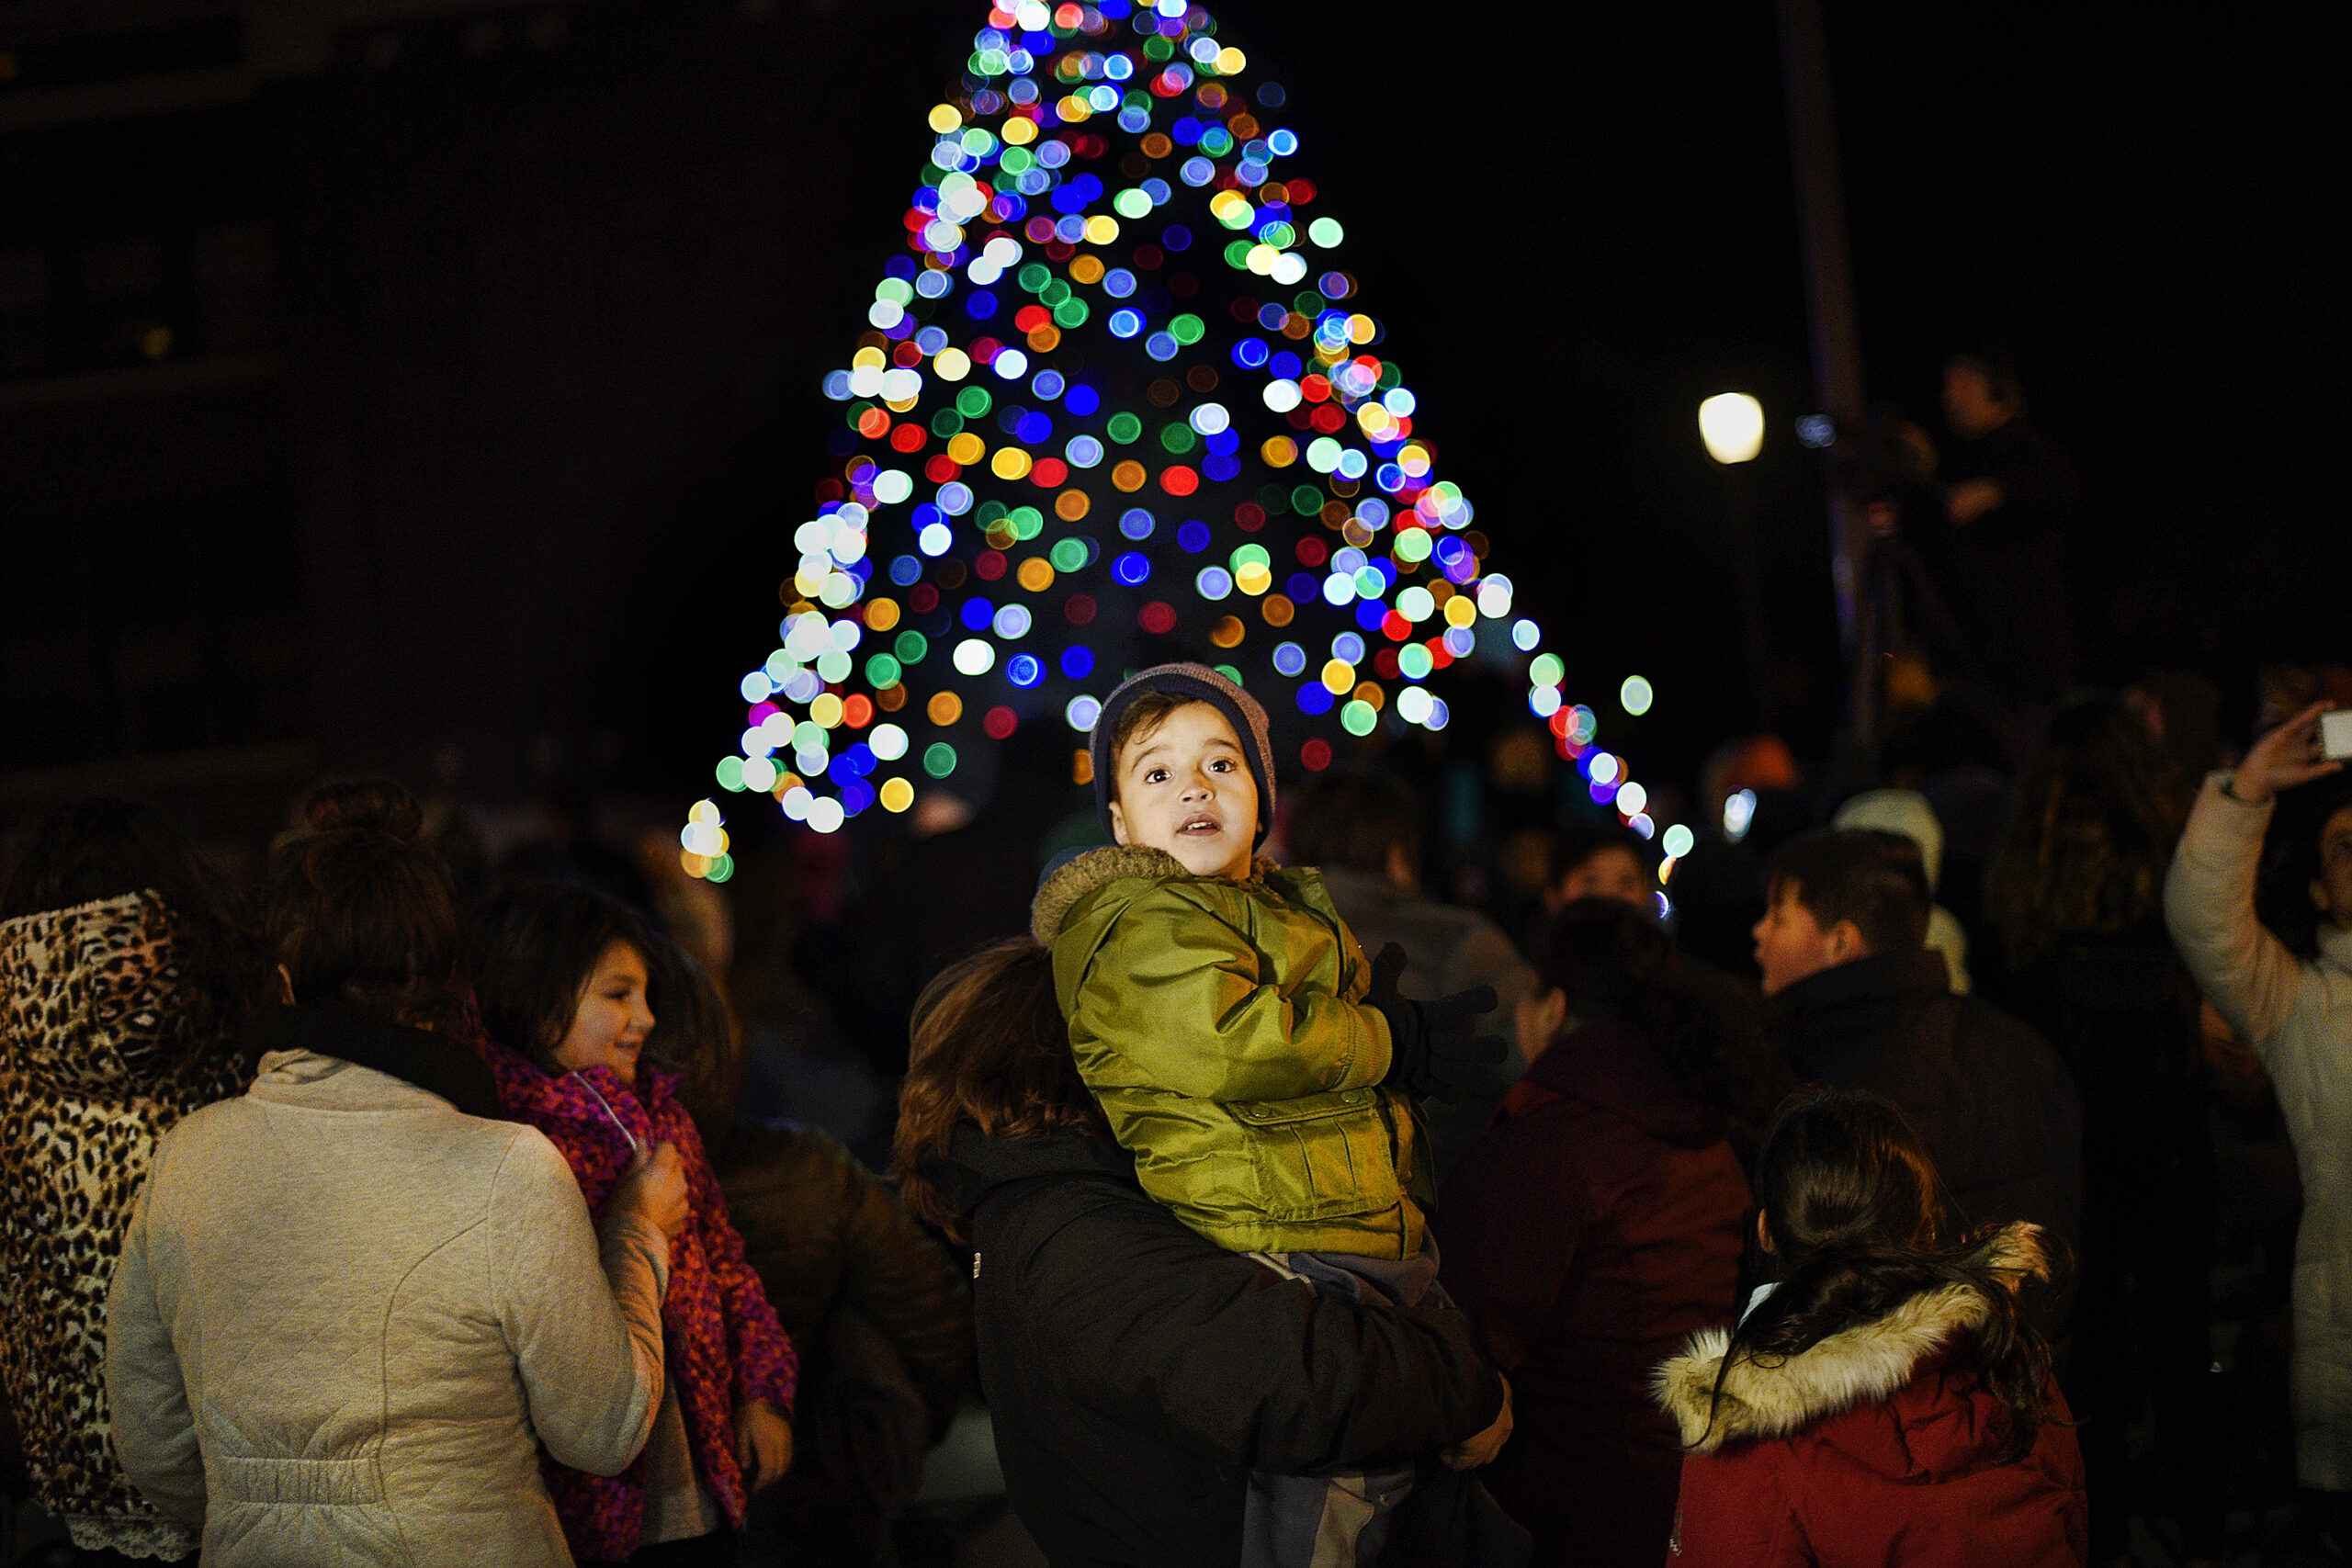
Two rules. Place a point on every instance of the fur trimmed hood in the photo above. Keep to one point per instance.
(1855, 1366)
(1066, 883)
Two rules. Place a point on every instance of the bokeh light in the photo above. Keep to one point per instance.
(1120, 385)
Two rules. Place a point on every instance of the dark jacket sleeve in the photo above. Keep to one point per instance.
(822, 1231)
(904, 1283)
(1156, 1327)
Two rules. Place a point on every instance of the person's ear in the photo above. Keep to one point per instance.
(1119, 825)
(1763, 1234)
(1539, 1018)
(1845, 942)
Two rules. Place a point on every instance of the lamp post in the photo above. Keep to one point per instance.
(1836, 343)
(1732, 426)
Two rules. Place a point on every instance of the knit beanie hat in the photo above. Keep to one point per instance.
(1199, 683)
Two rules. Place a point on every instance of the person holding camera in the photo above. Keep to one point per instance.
(2292, 1000)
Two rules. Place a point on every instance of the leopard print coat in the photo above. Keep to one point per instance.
(100, 1053)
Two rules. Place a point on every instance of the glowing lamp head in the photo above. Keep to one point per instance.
(1732, 424)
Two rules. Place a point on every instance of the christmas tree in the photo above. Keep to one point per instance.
(1118, 404)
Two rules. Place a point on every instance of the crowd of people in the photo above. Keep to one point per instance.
(1856, 1202)
(349, 1224)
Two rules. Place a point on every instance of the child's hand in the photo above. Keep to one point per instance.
(1472, 1452)
(654, 1185)
(762, 1444)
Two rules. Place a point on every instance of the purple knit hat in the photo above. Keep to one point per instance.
(1201, 683)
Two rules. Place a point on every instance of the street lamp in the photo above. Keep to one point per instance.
(1732, 424)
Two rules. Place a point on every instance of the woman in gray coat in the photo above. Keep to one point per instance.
(350, 1307)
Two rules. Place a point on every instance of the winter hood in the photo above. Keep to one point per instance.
(1864, 1364)
(92, 1000)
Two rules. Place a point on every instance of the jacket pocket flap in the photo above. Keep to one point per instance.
(1304, 1108)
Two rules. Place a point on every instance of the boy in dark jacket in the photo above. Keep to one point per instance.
(1856, 1000)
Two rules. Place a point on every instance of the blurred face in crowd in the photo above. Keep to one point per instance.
(2332, 894)
(1613, 873)
(1185, 787)
(1791, 945)
(609, 1026)
(1970, 406)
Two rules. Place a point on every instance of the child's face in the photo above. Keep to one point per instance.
(1186, 788)
(610, 1027)
(1792, 946)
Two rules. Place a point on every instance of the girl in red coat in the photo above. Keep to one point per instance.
(1880, 1403)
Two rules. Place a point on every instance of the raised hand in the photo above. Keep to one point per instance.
(2288, 756)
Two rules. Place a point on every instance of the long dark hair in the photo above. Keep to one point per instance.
(530, 953)
(101, 849)
(989, 1047)
(1854, 1212)
(1615, 965)
(2097, 814)
(2290, 862)
(361, 911)
(696, 1034)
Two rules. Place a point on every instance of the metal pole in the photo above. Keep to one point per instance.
(1837, 339)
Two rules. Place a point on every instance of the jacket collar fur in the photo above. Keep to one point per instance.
(1075, 878)
(1855, 1366)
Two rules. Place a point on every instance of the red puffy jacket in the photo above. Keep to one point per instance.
(1877, 1447)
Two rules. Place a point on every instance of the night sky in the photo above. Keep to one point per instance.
(513, 458)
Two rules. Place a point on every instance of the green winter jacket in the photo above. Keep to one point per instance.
(1222, 1026)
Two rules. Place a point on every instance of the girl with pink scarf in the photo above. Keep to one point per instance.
(567, 981)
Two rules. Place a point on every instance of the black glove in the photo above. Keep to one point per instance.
(1433, 1050)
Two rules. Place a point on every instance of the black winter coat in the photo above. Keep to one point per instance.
(823, 1232)
(880, 1314)
(1987, 1095)
(1137, 1372)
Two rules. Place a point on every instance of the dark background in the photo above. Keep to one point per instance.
(435, 387)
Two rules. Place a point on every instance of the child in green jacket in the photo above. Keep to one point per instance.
(1262, 1072)
(1263, 1075)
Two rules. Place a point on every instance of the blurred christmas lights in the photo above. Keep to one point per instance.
(1119, 316)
